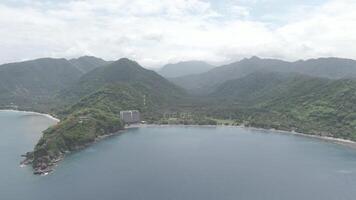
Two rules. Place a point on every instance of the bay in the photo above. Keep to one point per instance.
(190, 163)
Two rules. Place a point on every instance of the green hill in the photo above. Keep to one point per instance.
(91, 107)
(31, 85)
(333, 68)
(290, 102)
(123, 71)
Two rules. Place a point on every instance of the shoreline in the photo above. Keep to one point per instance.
(51, 168)
(31, 112)
(28, 161)
(340, 141)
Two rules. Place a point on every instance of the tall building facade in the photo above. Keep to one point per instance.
(130, 116)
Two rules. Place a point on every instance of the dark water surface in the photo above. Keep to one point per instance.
(181, 163)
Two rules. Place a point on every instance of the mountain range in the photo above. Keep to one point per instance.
(315, 96)
(333, 68)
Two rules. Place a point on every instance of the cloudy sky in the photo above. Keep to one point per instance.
(155, 32)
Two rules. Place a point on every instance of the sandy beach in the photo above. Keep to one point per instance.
(31, 112)
(348, 143)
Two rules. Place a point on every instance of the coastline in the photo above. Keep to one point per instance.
(51, 167)
(340, 141)
(54, 163)
(31, 112)
(27, 160)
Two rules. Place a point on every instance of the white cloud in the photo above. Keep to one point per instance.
(159, 31)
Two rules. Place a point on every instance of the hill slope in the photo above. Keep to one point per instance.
(32, 83)
(184, 69)
(87, 63)
(123, 72)
(290, 102)
(93, 104)
(333, 68)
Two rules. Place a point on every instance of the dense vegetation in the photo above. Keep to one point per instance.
(74, 132)
(90, 108)
(31, 85)
(290, 102)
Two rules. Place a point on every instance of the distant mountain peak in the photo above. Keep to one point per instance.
(87, 57)
(87, 63)
(126, 61)
(185, 68)
(255, 58)
(333, 68)
(121, 72)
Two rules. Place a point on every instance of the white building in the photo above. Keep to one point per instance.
(130, 116)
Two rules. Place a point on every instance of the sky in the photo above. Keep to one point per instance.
(156, 32)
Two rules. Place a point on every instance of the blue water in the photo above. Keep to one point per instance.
(179, 163)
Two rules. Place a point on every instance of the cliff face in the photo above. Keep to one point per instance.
(74, 132)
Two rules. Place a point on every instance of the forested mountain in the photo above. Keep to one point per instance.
(87, 63)
(333, 68)
(306, 96)
(184, 68)
(31, 83)
(290, 102)
(91, 108)
(123, 72)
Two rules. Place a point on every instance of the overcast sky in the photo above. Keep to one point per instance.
(155, 32)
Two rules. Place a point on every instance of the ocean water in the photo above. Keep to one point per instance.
(179, 163)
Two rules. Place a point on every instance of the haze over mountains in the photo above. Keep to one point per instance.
(184, 68)
(88, 63)
(333, 68)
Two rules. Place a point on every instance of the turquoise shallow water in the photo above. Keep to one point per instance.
(190, 163)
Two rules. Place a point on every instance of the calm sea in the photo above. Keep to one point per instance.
(179, 163)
